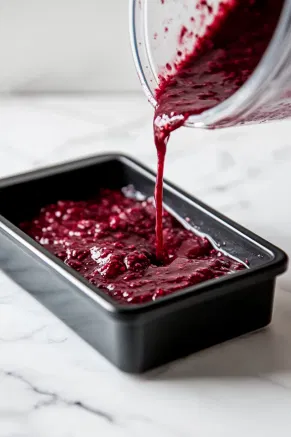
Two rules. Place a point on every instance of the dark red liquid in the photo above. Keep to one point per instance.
(220, 63)
(110, 241)
(161, 144)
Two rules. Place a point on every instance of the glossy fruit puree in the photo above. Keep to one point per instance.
(110, 240)
(221, 61)
(132, 250)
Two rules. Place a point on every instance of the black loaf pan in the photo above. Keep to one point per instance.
(136, 337)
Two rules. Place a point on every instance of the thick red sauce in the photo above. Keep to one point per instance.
(130, 249)
(110, 241)
(220, 63)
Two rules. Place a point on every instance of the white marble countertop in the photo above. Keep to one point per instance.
(52, 384)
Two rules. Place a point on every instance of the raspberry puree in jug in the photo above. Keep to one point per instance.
(220, 63)
(128, 248)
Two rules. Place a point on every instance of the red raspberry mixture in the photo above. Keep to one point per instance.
(110, 240)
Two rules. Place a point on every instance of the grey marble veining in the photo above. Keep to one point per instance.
(52, 384)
